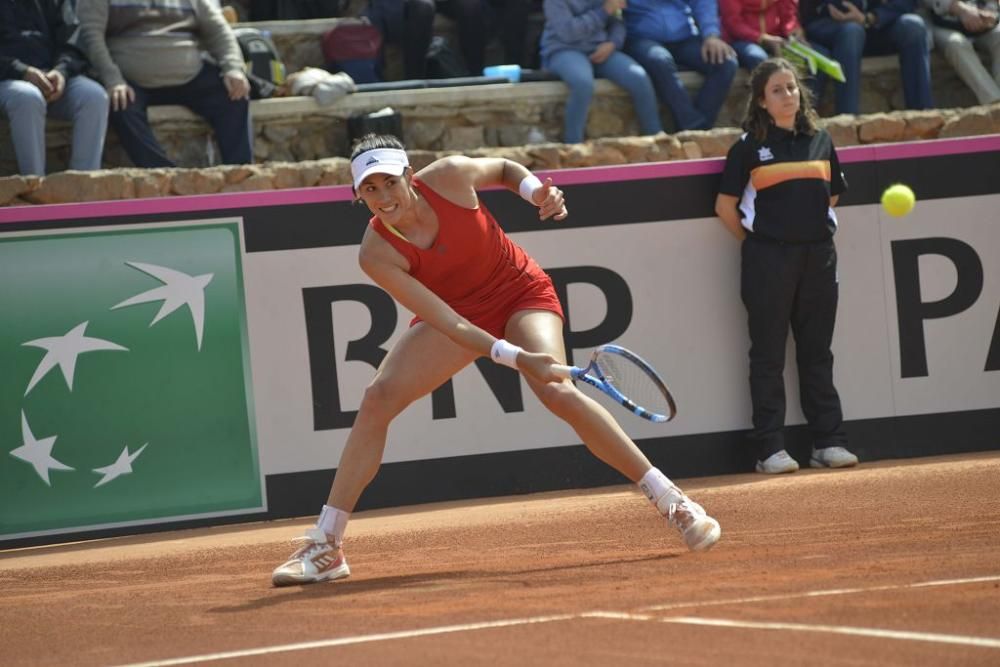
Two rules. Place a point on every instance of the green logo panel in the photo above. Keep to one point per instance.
(125, 393)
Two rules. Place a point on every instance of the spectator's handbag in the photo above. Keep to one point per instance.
(354, 48)
(265, 70)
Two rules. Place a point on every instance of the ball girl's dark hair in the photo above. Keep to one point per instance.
(757, 120)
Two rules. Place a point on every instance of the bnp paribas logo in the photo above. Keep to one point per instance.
(124, 379)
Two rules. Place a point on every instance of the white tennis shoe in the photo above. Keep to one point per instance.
(316, 560)
(699, 531)
(832, 457)
(778, 463)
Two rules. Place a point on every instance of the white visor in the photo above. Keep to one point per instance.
(378, 161)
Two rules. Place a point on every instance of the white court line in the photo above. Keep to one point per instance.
(816, 594)
(986, 642)
(409, 634)
(346, 641)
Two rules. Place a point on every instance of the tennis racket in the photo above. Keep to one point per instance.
(629, 379)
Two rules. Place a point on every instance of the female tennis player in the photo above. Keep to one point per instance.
(434, 247)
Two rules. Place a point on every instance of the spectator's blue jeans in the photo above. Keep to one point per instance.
(575, 68)
(750, 55)
(662, 61)
(84, 103)
(205, 95)
(848, 41)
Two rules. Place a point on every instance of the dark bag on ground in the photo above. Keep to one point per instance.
(265, 70)
(354, 48)
(443, 62)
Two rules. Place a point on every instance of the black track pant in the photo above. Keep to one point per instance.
(786, 284)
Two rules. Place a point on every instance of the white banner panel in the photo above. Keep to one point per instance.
(683, 278)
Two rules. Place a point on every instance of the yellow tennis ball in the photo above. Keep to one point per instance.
(898, 200)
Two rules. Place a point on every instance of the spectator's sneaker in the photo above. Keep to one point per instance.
(316, 560)
(700, 531)
(832, 457)
(777, 463)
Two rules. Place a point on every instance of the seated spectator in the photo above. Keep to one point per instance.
(40, 75)
(959, 27)
(883, 27)
(478, 20)
(583, 38)
(664, 35)
(153, 55)
(409, 23)
(757, 29)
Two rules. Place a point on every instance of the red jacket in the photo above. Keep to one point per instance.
(746, 20)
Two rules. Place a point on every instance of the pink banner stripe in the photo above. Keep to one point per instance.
(563, 177)
(913, 149)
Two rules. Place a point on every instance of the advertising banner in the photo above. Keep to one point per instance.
(132, 330)
(125, 390)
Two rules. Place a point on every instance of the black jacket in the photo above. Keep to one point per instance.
(38, 33)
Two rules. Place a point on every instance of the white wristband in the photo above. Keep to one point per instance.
(505, 353)
(529, 184)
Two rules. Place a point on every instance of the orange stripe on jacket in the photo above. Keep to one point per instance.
(773, 174)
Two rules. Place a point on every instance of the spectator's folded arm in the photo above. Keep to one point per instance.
(616, 33)
(732, 19)
(218, 37)
(93, 24)
(11, 68)
(788, 13)
(706, 15)
(569, 28)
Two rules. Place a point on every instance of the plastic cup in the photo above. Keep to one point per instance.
(511, 72)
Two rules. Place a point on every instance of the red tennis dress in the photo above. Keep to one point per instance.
(473, 266)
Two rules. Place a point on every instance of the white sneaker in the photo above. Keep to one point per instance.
(699, 531)
(832, 457)
(316, 560)
(777, 463)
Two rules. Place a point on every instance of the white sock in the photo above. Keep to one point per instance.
(333, 522)
(660, 491)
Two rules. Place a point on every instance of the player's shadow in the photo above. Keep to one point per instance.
(351, 587)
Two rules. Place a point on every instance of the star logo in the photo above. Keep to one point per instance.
(122, 466)
(178, 289)
(62, 351)
(765, 154)
(38, 452)
(169, 419)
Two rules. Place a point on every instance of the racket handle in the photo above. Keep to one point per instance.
(562, 371)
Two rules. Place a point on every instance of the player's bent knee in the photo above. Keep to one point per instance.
(561, 398)
(382, 399)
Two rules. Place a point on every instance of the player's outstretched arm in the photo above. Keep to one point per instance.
(457, 175)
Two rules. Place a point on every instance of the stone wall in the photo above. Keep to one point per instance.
(104, 185)
(458, 118)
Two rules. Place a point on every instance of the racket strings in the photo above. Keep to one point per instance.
(633, 382)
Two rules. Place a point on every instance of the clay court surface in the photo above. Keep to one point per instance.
(892, 563)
